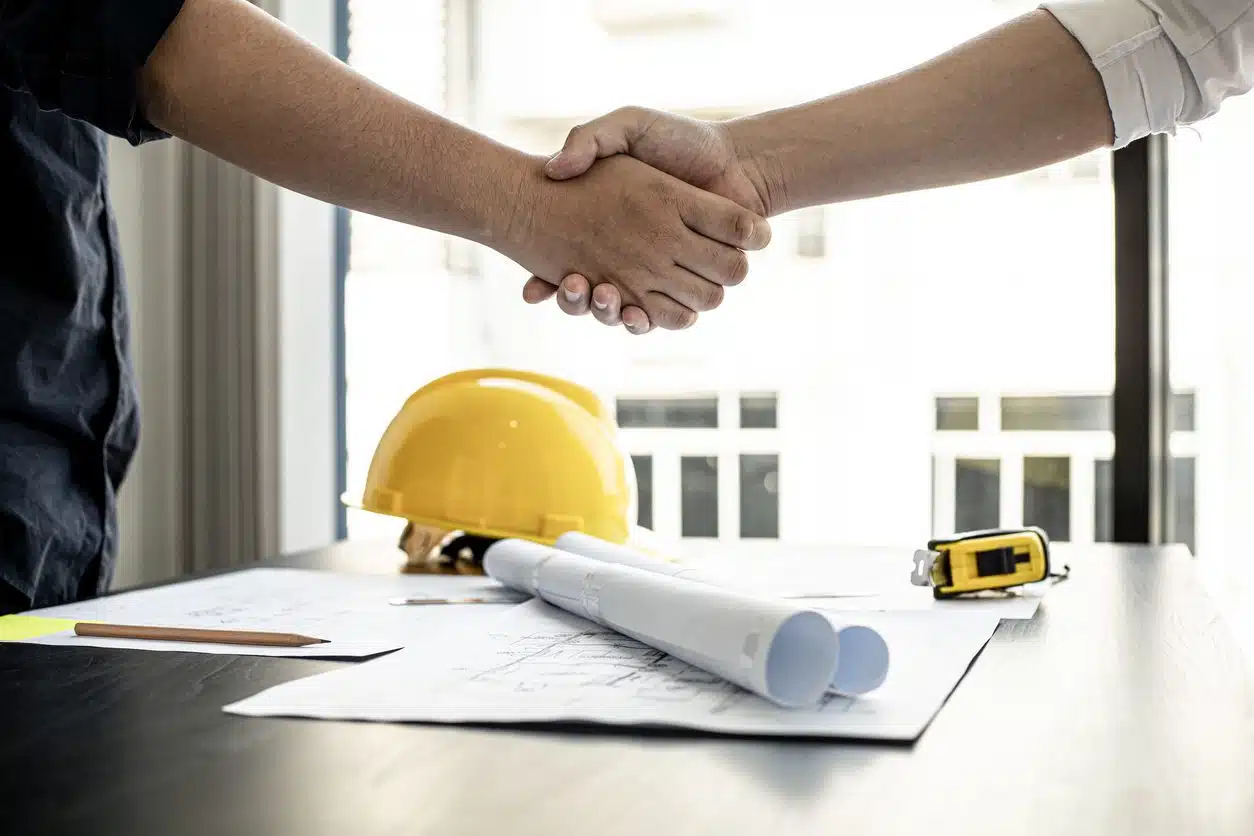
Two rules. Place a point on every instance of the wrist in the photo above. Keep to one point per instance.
(761, 160)
(502, 203)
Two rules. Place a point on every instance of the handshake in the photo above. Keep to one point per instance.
(649, 237)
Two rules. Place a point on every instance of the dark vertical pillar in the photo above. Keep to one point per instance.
(1142, 384)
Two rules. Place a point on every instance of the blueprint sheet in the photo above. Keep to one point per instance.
(536, 663)
(1016, 605)
(352, 612)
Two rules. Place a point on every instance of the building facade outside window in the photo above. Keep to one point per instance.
(1045, 460)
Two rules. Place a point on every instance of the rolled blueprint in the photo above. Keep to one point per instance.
(576, 542)
(862, 660)
(775, 649)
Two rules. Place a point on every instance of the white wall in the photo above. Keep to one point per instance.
(146, 185)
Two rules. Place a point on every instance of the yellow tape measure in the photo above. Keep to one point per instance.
(978, 561)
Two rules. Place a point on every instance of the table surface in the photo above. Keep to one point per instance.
(1123, 707)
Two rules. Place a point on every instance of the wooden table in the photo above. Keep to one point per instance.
(1124, 707)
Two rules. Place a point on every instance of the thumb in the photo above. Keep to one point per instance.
(604, 137)
(576, 156)
(537, 290)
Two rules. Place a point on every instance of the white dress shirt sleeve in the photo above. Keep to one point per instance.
(1164, 63)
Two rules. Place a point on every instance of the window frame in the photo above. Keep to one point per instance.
(1141, 492)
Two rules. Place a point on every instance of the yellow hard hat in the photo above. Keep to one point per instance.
(503, 453)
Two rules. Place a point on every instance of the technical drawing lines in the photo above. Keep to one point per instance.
(578, 665)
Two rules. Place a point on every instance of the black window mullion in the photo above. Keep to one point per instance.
(1140, 409)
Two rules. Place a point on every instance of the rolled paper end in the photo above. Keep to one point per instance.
(513, 563)
(862, 665)
(801, 661)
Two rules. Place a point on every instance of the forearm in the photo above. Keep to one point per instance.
(231, 79)
(1020, 97)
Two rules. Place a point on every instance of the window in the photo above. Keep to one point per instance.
(1182, 412)
(642, 17)
(1103, 510)
(957, 414)
(1087, 169)
(1047, 495)
(699, 486)
(1209, 299)
(759, 496)
(758, 412)
(699, 412)
(1064, 414)
(1078, 413)
(977, 490)
(1046, 445)
(889, 350)
(644, 490)
(461, 257)
(1184, 503)
(811, 232)
(681, 444)
(1183, 521)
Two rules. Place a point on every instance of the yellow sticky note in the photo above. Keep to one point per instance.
(16, 628)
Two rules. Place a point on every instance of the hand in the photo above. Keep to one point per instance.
(668, 248)
(704, 154)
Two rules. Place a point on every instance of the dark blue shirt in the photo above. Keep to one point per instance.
(69, 422)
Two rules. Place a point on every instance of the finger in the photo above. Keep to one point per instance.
(689, 290)
(606, 302)
(668, 313)
(713, 261)
(722, 220)
(537, 290)
(636, 320)
(573, 295)
(585, 144)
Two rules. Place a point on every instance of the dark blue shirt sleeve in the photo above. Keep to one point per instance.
(83, 57)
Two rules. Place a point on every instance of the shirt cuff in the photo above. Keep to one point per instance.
(1140, 67)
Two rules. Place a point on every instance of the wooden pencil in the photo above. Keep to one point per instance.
(187, 634)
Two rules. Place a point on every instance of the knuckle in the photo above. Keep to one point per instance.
(632, 115)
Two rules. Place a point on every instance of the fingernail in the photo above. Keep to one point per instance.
(571, 296)
(600, 306)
